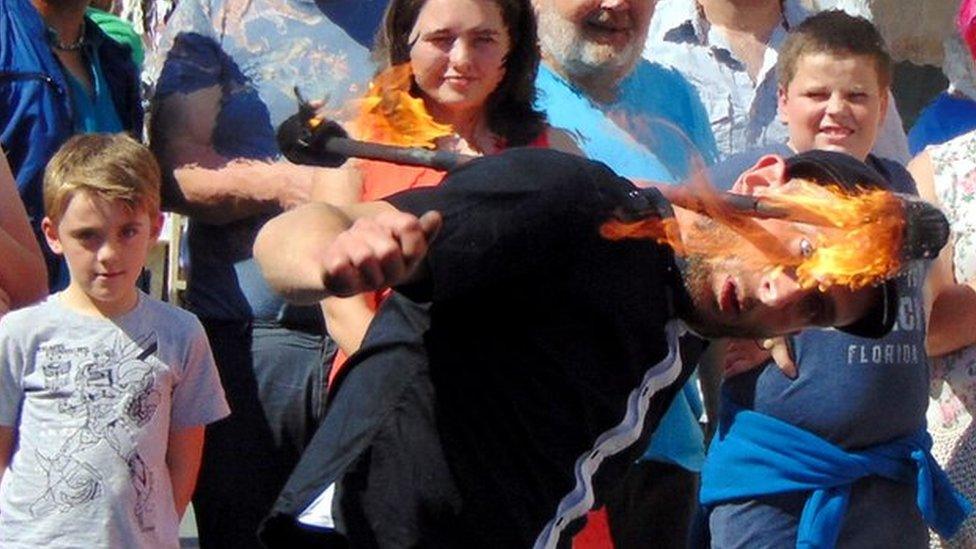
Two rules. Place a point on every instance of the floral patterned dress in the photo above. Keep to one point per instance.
(953, 390)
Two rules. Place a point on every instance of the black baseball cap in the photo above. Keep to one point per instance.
(847, 172)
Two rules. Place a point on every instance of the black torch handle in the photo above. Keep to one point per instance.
(751, 206)
(926, 228)
(410, 156)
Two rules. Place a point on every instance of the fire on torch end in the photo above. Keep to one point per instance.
(926, 228)
(305, 139)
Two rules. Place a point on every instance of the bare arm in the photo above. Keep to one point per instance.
(208, 186)
(7, 436)
(346, 318)
(318, 250)
(4, 303)
(183, 456)
(23, 274)
(951, 320)
(950, 307)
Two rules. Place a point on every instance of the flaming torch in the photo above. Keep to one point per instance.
(881, 230)
(307, 139)
(393, 125)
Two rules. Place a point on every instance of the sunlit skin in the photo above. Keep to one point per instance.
(105, 245)
(457, 56)
(833, 103)
(615, 24)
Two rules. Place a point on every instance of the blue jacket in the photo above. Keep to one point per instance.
(35, 108)
(754, 455)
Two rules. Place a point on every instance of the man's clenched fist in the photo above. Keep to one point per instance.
(378, 252)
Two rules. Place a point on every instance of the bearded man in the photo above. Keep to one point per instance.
(642, 119)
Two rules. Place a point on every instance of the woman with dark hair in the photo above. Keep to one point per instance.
(473, 65)
(503, 50)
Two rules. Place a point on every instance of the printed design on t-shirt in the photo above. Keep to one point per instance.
(115, 395)
(906, 348)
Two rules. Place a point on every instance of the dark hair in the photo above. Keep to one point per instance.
(836, 33)
(509, 109)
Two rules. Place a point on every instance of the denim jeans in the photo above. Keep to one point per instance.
(274, 378)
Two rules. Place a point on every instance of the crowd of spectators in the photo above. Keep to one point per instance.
(336, 431)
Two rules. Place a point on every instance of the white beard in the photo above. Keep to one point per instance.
(581, 58)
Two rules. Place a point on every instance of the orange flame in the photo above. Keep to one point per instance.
(857, 244)
(388, 114)
(866, 250)
(662, 231)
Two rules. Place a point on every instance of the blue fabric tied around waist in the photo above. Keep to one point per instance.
(756, 455)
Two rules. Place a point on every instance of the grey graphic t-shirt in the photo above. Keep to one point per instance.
(93, 401)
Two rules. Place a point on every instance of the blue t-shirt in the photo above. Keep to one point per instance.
(851, 391)
(650, 132)
(947, 116)
(647, 133)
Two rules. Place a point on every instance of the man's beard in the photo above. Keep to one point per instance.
(696, 272)
(581, 58)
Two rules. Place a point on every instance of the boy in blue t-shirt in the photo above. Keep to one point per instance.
(104, 391)
(852, 393)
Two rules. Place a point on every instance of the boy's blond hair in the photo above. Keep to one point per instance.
(836, 33)
(110, 166)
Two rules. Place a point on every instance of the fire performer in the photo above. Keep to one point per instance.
(538, 412)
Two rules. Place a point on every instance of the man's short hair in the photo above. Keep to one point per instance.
(835, 33)
(110, 166)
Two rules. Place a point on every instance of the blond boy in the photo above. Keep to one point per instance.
(104, 392)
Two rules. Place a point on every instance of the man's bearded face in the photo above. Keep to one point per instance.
(594, 38)
(747, 295)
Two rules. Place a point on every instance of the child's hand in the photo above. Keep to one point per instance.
(743, 355)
